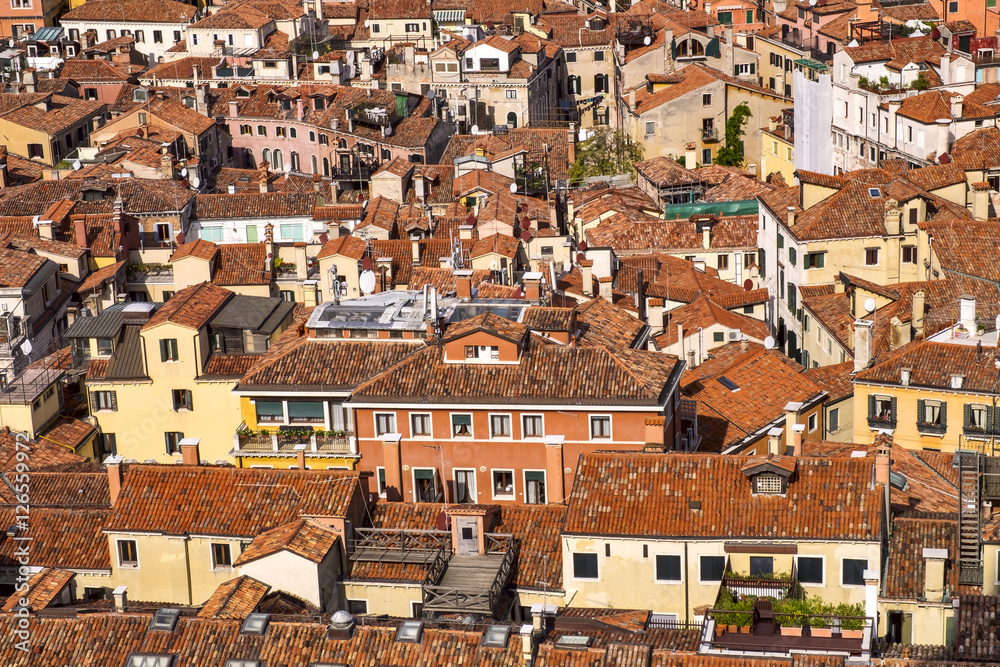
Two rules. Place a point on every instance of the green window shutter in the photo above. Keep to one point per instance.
(114, 401)
(920, 411)
(892, 410)
(781, 241)
(871, 405)
(93, 402)
(188, 401)
(820, 260)
(944, 414)
(791, 256)
(967, 415)
(163, 349)
(989, 417)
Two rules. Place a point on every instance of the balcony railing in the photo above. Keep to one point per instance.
(709, 134)
(881, 422)
(931, 429)
(284, 442)
(386, 545)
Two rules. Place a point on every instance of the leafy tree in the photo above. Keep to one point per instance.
(921, 82)
(731, 155)
(607, 153)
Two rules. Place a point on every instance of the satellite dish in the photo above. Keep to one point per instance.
(526, 224)
(366, 263)
(583, 245)
(646, 40)
(323, 238)
(367, 282)
(76, 165)
(870, 305)
(580, 257)
(288, 167)
(769, 343)
(431, 94)
(513, 187)
(526, 236)
(748, 284)
(387, 131)
(315, 55)
(475, 129)
(195, 182)
(184, 171)
(367, 23)
(26, 347)
(180, 238)
(812, 3)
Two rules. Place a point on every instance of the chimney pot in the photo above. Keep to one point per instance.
(121, 598)
(463, 284)
(862, 344)
(113, 464)
(300, 455)
(189, 451)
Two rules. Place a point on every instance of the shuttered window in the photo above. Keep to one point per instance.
(168, 349)
(104, 400)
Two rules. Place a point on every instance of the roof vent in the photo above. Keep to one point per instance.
(165, 619)
(410, 632)
(694, 504)
(341, 626)
(13, 530)
(255, 624)
(496, 636)
(242, 662)
(573, 641)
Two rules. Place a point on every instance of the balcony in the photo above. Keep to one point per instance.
(928, 428)
(876, 422)
(709, 134)
(284, 440)
(380, 545)
(150, 273)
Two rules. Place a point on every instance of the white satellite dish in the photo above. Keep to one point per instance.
(387, 131)
(513, 187)
(367, 23)
(870, 305)
(315, 55)
(367, 282)
(184, 171)
(812, 3)
(475, 129)
(26, 347)
(769, 343)
(431, 94)
(646, 40)
(195, 182)
(76, 165)
(11, 43)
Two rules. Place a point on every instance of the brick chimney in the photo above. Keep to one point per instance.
(883, 461)
(654, 434)
(774, 440)
(463, 284)
(862, 344)
(114, 467)
(189, 451)
(793, 410)
(587, 273)
(934, 560)
(533, 286)
(571, 143)
(300, 455)
(917, 316)
(80, 227)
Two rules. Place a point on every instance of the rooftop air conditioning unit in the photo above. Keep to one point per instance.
(734, 336)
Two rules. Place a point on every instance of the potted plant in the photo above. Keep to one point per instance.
(852, 621)
(820, 627)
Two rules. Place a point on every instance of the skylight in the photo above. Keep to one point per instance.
(897, 481)
(255, 624)
(237, 662)
(497, 636)
(165, 619)
(149, 660)
(729, 384)
(874, 193)
(574, 641)
(409, 631)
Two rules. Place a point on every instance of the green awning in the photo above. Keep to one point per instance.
(449, 15)
(812, 64)
(683, 211)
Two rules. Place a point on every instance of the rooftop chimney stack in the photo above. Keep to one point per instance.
(463, 284)
(862, 344)
(791, 216)
(189, 451)
(587, 274)
(934, 584)
(604, 284)
(121, 598)
(980, 201)
(968, 312)
(917, 316)
(113, 464)
(883, 462)
(300, 455)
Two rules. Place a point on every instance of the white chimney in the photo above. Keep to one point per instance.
(968, 312)
(862, 344)
(121, 598)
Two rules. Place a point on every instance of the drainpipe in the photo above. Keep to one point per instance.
(687, 607)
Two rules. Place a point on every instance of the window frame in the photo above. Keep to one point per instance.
(380, 484)
(169, 351)
(435, 478)
(375, 420)
(532, 415)
(798, 568)
(843, 565)
(701, 568)
(656, 570)
(493, 486)
(475, 480)
(225, 548)
(451, 428)
(510, 425)
(430, 425)
(590, 425)
(597, 566)
(122, 563)
(545, 485)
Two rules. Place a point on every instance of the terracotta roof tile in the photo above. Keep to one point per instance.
(911, 534)
(490, 323)
(43, 588)
(623, 494)
(67, 538)
(70, 433)
(44, 455)
(233, 502)
(229, 365)
(835, 380)
(255, 205)
(58, 489)
(191, 307)
(235, 599)
(242, 264)
(200, 248)
(167, 11)
(309, 539)
(703, 313)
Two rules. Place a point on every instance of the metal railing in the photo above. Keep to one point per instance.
(398, 545)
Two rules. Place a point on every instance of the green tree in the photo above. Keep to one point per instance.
(607, 153)
(731, 155)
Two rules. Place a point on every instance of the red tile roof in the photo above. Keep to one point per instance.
(911, 534)
(165, 11)
(650, 495)
(309, 539)
(703, 313)
(191, 307)
(43, 588)
(235, 599)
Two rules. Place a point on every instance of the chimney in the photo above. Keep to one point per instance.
(587, 273)
(692, 363)
(882, 461)
(231, 188)
(631, 100)
(114, 466)
(189, 451)
(533, 286)
(300, 109)
(199, 92)
(945, 70)
(980, 200)
(415, 250)
(29, 80)
(772, 123)
(234, 109)
(300, 455)
(797, 432)
(655, 311)
(463, 284)
(862, 344)
(706, 237)
(793, 411)
(943, 129)
(917, 316)
(690, 156)
(465, 232)
(605, 288)
(654, 434)
(791, 216)
(967, 309)
(80, 226)
(121, 598)
(527, 645)
(167, 166)
(774, 440)
(571, 142)
(420, 188)
(934, 560)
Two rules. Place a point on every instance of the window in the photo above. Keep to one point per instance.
(833, 420)
(111, 34)
(128, 555)
(489, 64)
(745, 68)
(571, 57)
(261, 131)
(600, 427)
(420, 425)
(600, 83)
(810, 569)
(598, 56)
(871, 256)
(511, 93)
(177, 36)
(412, 27)
(168, 349)
(140, 37)
(813, 421)
(90, 93)
(173, 441)
(105, 346)
(104, 400)
(222, 558)
(500, 426)
(357, 607)
(930, 413)
(719, 337)
(270, 411)
(380, 476)
(723, 262)
(461, 426)
(792, 256)
(534, 487)
(725, 18)
(279, 132)
(712, 568)
(465, 486)
(20, 4)
(310, 412)
(881, 408)
(767, 482)
(532, 426)
(385, 422)
(149, 660)
(977, 417)
(585, 566)
(706, 100)
(909, 254)
(182, 399)
(668, 567)
(953, 7)
(706, 156)
(814, 260)
(424, 485)
(157, 36)
(503, 483)
(854, 572)
(35, 150)
(761, 566)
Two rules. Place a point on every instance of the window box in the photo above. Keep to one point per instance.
(932, 429)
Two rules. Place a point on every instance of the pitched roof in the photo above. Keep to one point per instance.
(255, 205)
(66, 538)
(43, 588)
(232, 502)
(650, 495)
(911, 534)
(703, 313)
(191, 307)
(242, 264)
(606, 324)
(235, 599)
(309, 539)
(489, 322)
(932, 364)
(835, 379)
(139, 11)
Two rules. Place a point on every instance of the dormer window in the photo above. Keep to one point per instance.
(482, 352)
(768, 482)
(956, 381)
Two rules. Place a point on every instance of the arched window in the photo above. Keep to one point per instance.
(326, 167)
(295, 161)
(312, 136)
(279, 131)
(248, 158)
(279, 164)
(266, 155)
(292, 133)
(341, 143)
(261, 131)
(315, 168)
(512, 119)
(246, 129)
(324, 140)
